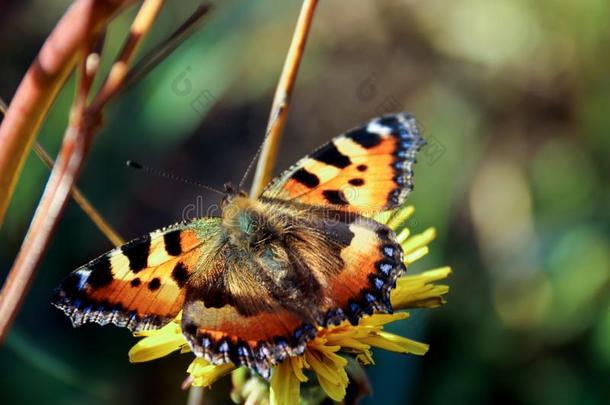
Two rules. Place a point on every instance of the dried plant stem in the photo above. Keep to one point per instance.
(118, 72)
(83, 202)
(42, 82)
(77, 140)
(281, 99)
(155, 56)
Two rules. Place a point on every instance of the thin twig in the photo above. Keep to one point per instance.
(84, 203)
(42, 82)
(118, 72)
(83, 123)
(46, 217)
(281, 100)
(156, 55)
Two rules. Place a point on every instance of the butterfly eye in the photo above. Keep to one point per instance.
(229, 188)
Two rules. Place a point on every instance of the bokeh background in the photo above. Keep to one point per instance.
(514, 99)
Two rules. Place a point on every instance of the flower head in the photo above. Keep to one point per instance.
(327, 355)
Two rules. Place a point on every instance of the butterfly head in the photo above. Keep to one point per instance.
(245, 219)
(231, 192)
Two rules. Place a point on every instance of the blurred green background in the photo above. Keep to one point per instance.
(513, 96)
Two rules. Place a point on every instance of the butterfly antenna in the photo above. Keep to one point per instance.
(260, 148)
(161, 173)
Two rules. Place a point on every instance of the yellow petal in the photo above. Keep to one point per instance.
(382, 319)
(418, 291)
(366, 358)
(330, 369)
(285, 386)
(257, 396)
(400, 217)
(350, 343)
(417, 241)
(395, 343)
(158, 343)
(325, 364)
(239, 380)
(205, 374)
(416, 255)
(297, 364)
(403, 235)
(335, 391)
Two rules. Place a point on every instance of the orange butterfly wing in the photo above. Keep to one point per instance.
(372, 263)
(365, 170)
(139, 285)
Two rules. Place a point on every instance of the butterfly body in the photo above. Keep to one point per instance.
(255, 283)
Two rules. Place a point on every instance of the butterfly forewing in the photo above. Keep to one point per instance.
(367, 169)
(140, 285)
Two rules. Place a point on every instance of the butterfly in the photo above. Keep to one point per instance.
(255, 283)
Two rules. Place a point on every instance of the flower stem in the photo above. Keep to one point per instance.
(196, 396)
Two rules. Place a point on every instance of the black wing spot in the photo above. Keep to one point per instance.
(365, 138)
(180, 274)
(101, 273)
(171, 240)
(340, 233)
(362, 168)
(71, 286)
(335, 197)
(190, 328)
(356, 182)
(390, 121)
(330, 155)
(137, 252)
(135, 282)
(154, 284)
(306, 178)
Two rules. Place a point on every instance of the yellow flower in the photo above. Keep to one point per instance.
(324, 356)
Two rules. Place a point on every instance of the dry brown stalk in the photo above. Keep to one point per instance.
(155, 56)
(281, 99)
(83, 123)
(77, 195)
(40, 85)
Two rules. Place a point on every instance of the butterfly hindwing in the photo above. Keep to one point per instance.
(140, 285)
(367, 169)
(372, 262)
